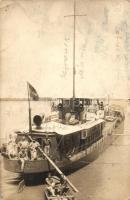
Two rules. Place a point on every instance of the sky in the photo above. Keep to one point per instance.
(36, 45)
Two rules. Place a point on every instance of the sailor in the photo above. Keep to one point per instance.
(23, 144)
(22, 157)
(14, 138)
(33, 149)
(34, 144)
(73, 120)
(51, 182)
(11, 148)
(3, 148)
(10, 139)
(60, 185)
(63, 188)
(47, 145)
(100, 114)
(67, 117)
(34, 154)
(106, 109)
(101, 106)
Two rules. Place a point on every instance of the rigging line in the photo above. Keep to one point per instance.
(60, 140)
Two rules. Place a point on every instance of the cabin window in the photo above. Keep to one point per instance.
(68, 144)
(84, 134)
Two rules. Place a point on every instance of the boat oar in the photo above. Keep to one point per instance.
(58, 170)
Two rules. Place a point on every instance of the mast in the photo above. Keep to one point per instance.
(74, 15)
(29, 109)
(74, 52)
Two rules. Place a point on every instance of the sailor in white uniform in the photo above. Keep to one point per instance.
(23, 144)
(33, 149)
(47, 145)
(22, 157)
(12, 147)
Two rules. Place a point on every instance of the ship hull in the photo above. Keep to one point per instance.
(83, 157)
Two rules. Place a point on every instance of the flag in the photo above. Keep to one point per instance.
(32, 92)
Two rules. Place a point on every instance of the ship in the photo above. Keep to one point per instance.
(78, 129)
(72, 135)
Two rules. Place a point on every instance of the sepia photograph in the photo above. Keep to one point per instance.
(64, 100)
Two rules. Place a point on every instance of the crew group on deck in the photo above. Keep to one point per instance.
(25, 149)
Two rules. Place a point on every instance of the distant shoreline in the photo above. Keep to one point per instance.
(26, 99)
(50, 99)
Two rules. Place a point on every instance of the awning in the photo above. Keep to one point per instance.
(63, 129)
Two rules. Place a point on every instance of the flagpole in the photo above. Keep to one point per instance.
(108, 103)
(29, 109)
